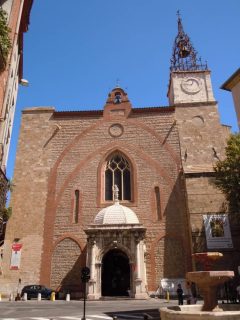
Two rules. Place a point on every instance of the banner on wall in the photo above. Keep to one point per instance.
(16, 256)
(217, 229)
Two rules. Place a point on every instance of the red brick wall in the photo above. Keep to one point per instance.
(57, 155)
(76, 152)
(66, 266)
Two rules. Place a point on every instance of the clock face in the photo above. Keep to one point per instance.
(191, 85)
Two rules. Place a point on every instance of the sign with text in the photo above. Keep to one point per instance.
(217, 229)
(16, 256)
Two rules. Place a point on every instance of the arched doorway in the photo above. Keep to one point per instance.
(115, 273)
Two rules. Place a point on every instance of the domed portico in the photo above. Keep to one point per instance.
(116, 253)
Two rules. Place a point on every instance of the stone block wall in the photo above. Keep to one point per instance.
(28, 200)
(203, 139)
(66, 264)
(59, 153)
(152, 147)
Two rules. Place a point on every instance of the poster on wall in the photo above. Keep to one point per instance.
(16, 256)
(217, 229)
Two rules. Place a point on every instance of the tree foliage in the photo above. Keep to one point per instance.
(228, 173)
(5, 186)
(6, 213)
(5, 42)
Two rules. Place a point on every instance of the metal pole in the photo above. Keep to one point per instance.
(85, 278)
(84, 301)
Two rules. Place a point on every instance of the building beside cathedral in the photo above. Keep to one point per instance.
(126, 191)
(14, 17)
(17, 15)
(233, 84)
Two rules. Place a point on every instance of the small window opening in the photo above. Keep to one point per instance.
(158, 203)
(76, 206)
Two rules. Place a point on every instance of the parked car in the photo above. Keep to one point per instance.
(33, 291)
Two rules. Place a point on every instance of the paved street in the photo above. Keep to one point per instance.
(73, 310)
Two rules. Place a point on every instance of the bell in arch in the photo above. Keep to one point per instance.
(183, 49)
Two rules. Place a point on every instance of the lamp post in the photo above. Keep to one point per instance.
(85, 276)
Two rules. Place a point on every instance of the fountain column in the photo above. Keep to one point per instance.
(208, 280)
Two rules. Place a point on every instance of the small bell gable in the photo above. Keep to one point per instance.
(117, 105)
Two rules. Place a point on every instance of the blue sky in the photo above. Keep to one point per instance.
(75, 51)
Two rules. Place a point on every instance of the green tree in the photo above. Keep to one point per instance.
(5, 186)
(6, 213)
(228, 173)
(5, 42)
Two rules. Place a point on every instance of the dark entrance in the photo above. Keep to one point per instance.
(115, 274)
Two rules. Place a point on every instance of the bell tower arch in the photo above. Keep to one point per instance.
(196, 110)
(202, 138)
(189, 77)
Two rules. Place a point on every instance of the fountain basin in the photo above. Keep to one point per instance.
(210, 278)
(193, 312)
(207, 282)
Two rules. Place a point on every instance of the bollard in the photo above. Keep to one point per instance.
(18, 297)
(25, 296)
(11, 297)
(68, 297)
(39, 297)
(167, 296)
(53, 296)
(0, 297)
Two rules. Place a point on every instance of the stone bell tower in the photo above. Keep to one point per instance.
(190, 91)
(189, 79)
(202, 138)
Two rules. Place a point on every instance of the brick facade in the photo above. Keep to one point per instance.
(170, 149)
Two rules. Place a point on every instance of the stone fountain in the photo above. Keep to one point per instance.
(207, 281)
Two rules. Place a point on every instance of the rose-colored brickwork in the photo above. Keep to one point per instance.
(59, 153)
(66, 263)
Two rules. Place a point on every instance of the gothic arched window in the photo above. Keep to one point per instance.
(118, 172)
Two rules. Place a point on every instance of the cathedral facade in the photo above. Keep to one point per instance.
(125, 191)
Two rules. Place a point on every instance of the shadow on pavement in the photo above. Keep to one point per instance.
(145, 314)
